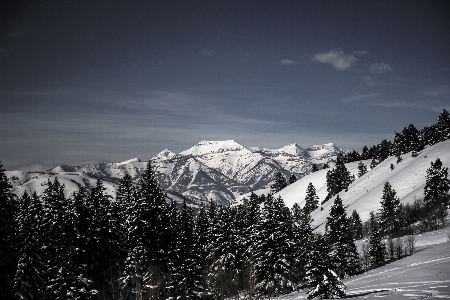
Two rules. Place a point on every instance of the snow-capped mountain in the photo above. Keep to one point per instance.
(210, 170)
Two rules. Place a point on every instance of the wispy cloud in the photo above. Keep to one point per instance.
(338, 59)
(359, 97)
(288, 62)
(379, 68)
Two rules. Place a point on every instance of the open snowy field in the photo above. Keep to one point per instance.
(424, 275)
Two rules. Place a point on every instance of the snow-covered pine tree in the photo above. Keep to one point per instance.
(272, 254)
(377, 248)
(148, 226)
(356, 226)
(436, 197)
(311, 199)
(322, 280)
(28, 281)
(338, 179)
(390, 212)
(7, 236)
(224, 256)
(342, 249)
(302, 241)
(292, 179)
(279, 183)
(184, 266)
(443, 125)
(362, 169)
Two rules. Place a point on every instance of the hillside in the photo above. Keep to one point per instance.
(364, 194)
(210, 170)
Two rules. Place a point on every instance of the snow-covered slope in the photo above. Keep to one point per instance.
(210, 170)
(364, 194)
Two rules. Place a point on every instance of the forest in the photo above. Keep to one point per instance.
(138, 245)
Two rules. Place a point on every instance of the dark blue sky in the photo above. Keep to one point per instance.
(84, 81)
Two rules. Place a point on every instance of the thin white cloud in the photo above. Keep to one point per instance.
(288, 62)
(359, 97)
(338, 59)
(379, 68)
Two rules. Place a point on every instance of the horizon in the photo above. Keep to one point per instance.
(107, 81)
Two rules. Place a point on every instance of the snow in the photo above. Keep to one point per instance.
(425, 274)
(208, 147)
(364, 194)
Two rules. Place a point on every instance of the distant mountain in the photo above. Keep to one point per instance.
(364, 195)
(211, 170)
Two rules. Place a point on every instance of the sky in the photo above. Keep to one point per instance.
(91, 81)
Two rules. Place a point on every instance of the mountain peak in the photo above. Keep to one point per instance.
(165, 154)
(129, 161)
(208, 147)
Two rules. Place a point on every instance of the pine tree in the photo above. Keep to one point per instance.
(279, 183)
(273, 251)
(224, 256)
(184, 271)
(323, 281)
(292, 179)
(342, 250)
(338, 179)
(437, 186)
(311, 199)
(28, 281)
(356, 226)
(314, 168)
(362, 169)
(443, 126)
(302, 241)
(390, 212)
(7, 236)
(377, 249)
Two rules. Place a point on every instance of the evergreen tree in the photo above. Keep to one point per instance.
(342, 249)
(362, 169)
(443, 126)
(314, 168)
(279, 183)
(390, 212)
(184, 271)
(437, 186)
(377, 249)
(272, 252)
(7, 236)
(224, 259)
(338, 179)
(374, 163)
(148, 225)
(292, 179)
(302, 241)
(356, 226)
(28, 281)
(323, 281)
(311, 199)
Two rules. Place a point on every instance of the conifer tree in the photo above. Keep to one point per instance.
(7, 236)
(28, 281)
(322, 280)
(356, 226)
(443, 126)
(311, 199)
(390, 212)
(273, 251)
(377, 249)
(292, 179)
(279, 183)
(338, 179)
(314, 168)
(342, 249)
(302, 241)
(437, 186)
(224, 256)
(184, 271)
(362, 169)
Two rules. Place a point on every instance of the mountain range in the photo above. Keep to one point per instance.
(211, 170)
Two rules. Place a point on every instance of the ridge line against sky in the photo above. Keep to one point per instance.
(89, 81)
